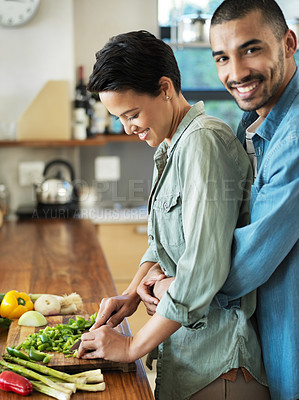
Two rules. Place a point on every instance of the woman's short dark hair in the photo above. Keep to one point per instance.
(269, 9)
(134, 60)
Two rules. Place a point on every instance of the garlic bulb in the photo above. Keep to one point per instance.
(69, 303)
(47, 304)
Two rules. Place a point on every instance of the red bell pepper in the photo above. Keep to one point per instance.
(12, 382)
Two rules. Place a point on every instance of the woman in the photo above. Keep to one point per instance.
(199, 195)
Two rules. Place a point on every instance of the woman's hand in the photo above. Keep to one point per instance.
(146, 288)
(105, 342)
(114, 309)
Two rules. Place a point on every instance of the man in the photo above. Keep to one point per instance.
(254, 53)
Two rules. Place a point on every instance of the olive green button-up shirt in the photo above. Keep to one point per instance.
(200, 193)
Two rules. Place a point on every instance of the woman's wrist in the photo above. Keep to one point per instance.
(132, 351)
(141, 273)
(133, 296)
(154, 332)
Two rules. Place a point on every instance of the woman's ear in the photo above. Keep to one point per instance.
(166, 86)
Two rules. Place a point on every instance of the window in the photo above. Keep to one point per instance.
(168, 10)
(200, 82)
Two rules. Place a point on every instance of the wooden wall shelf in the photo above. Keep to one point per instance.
(98, 140)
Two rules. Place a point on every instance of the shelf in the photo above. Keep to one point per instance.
(98, 140)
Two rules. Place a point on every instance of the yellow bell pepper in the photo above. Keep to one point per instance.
(14, 304)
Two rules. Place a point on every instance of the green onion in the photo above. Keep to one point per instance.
(93, 375)
(57, 394)
(44, 370)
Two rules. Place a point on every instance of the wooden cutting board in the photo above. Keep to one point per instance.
(17, 334)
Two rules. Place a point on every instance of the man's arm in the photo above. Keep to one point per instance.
(260, 247)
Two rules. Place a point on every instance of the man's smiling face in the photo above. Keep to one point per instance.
(250, 61)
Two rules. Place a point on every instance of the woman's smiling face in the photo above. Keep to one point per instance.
(141, 114)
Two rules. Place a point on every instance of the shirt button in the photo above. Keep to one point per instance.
(165, 205)
(151, 237)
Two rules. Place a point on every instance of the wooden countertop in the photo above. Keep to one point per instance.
(58, 257)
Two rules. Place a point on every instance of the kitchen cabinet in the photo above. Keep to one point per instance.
(97, 140)
(123, 246)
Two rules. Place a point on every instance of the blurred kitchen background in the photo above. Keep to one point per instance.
(61, 37)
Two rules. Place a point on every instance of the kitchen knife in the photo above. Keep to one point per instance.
(76, 345)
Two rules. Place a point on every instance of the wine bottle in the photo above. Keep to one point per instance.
(100, 118)
(81, 91)
(82, 108)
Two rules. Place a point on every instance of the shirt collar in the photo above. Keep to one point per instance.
(280, 109)
(194, 111)
(165, 149)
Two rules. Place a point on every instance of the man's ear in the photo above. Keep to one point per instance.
(290, 43)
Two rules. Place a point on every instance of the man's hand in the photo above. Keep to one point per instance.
(146, 288)
(161, 287)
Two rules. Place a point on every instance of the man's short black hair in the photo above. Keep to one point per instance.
(271, 13)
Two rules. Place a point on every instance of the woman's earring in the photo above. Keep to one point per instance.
(167, 97)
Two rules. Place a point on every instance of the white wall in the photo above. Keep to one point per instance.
(62, 35)
(95, 21)
(34, 53)
(31, 55)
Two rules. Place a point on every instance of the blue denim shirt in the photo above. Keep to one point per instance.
(266, 252)
(200, 193)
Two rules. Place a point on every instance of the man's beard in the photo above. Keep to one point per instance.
(278, 69)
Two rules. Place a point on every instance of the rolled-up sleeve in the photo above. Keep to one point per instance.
(149, 256)
(211, 181)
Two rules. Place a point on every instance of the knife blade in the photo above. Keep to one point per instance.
(76, 345)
